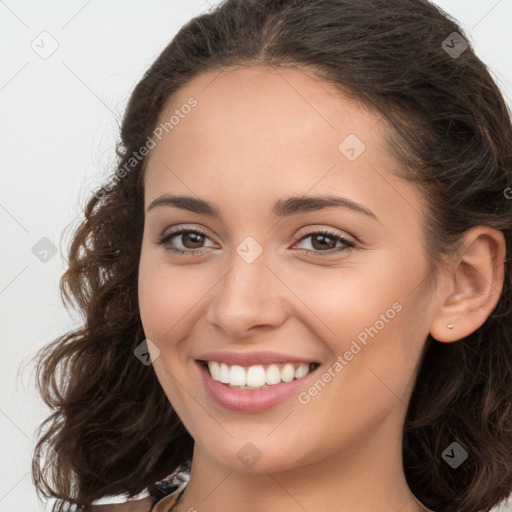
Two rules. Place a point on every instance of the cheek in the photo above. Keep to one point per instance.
(339, 304)
(372, 320)
(167, 297)
(169, 302)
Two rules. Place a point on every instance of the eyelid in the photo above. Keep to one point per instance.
(180, 228)
(303, 233)
(167, 236)
(348, 244)
(315, 229)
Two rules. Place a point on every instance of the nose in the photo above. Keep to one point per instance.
(249, 296)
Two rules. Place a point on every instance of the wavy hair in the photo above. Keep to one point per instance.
(112, 428)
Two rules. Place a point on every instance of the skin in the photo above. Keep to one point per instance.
(257, 135)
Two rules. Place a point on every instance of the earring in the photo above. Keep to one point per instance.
(450, 326)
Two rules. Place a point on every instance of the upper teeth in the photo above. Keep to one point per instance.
(256, 376)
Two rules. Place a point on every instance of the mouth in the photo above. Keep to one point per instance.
(255, 389)
(259, 376)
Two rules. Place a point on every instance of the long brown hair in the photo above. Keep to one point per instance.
(112, 428)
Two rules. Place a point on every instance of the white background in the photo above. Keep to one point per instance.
(58, 133)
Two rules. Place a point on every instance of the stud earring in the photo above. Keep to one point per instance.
(450, 326)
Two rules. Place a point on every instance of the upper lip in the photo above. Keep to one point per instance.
(251, 358)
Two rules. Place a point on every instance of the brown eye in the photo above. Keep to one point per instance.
(191, 241)
(321, 241)
(324, 243)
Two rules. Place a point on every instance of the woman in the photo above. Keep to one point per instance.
(295, 287)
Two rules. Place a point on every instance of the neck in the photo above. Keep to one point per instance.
(364, 476)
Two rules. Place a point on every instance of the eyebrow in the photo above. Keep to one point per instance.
(281, 208)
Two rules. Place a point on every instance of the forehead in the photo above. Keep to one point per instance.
(263, 131)
(242, 109)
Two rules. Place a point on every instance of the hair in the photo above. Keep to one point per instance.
(112, 428)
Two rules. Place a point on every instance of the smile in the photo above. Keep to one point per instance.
(247, 390)
(257, 376)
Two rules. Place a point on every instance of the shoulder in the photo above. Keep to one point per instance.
(165, 495)
(142, 505)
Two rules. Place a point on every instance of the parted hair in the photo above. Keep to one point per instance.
(112, 429)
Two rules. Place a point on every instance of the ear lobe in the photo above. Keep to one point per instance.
(472, 284)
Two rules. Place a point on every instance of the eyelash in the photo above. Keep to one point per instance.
(349, 246)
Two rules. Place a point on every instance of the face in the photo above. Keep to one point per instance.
(342, 285)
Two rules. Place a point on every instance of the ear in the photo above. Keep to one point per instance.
(470, 287)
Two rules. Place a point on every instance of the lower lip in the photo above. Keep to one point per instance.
(251, 400)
